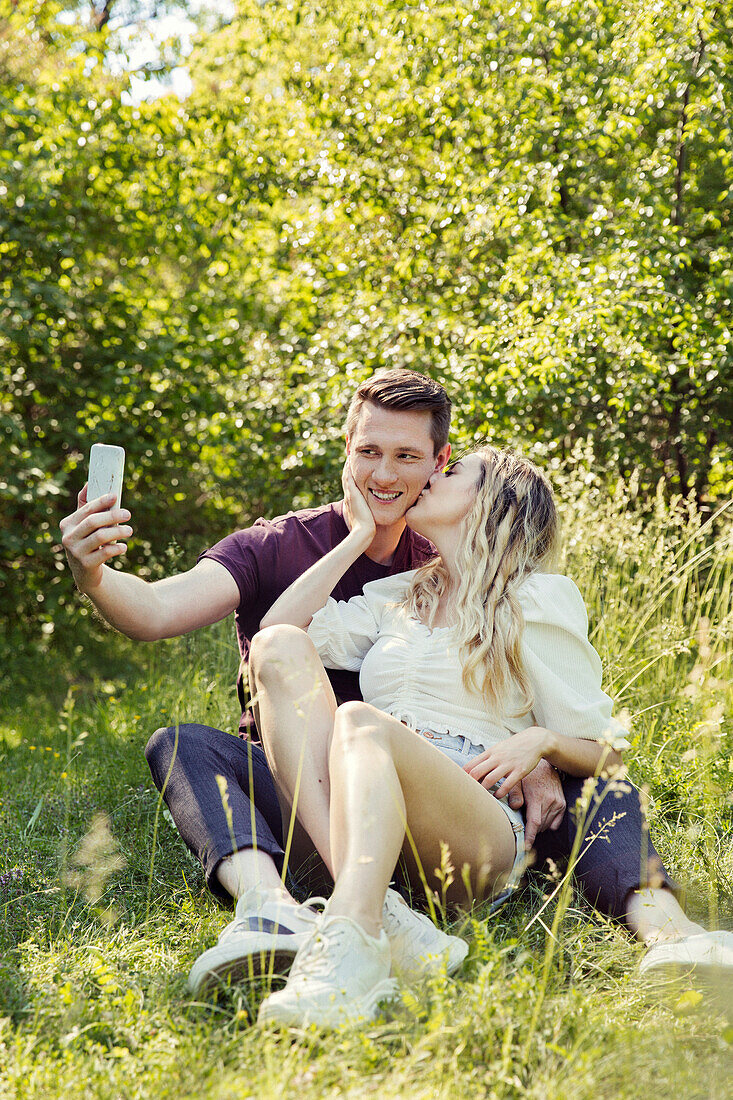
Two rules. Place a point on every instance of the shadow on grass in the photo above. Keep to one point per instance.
(15, 999)
(81, 651)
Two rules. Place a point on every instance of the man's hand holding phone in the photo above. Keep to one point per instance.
(96, 532)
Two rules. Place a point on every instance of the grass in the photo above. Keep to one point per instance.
(103, 911)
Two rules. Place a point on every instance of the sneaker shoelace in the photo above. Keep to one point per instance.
(320, 955)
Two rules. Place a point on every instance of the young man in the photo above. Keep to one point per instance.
(396, 436)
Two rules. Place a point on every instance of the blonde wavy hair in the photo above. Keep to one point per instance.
(511, 531)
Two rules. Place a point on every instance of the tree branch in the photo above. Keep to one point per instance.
(101, 16)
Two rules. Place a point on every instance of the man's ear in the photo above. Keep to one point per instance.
(348, 446)
(441, 459)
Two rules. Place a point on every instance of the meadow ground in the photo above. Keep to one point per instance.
(103, 910)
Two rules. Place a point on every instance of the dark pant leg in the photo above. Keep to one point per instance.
(188, 763)
(616, 854)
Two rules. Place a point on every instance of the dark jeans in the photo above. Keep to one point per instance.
(192, 765)
(615, 854)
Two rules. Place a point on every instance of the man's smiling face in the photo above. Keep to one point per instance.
(392, 455)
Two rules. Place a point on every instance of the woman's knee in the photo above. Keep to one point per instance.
(356, 721)
(275, 649)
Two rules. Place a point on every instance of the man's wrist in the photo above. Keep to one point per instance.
(84, 583)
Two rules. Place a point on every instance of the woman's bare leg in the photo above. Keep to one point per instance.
(294, 708)
(383, 776)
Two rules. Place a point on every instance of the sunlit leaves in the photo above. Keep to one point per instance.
(533, 203)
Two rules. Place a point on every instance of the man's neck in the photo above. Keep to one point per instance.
(382, 547)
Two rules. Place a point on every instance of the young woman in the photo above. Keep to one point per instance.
(469, 666)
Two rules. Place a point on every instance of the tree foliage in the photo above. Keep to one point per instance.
(531, 201)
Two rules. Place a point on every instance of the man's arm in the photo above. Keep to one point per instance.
(95, 533)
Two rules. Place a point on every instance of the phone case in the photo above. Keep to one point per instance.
(106, 467)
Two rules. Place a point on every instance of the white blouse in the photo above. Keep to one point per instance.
(414, 673)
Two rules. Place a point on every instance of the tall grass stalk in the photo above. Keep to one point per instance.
(156, 820)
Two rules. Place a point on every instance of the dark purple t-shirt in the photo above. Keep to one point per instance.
(266, 558)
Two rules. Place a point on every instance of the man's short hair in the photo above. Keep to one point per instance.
(400, 390)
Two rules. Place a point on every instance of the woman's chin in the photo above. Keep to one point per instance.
(413, 521)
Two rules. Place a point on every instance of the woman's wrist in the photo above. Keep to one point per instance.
(548, 744)
(360, 537)
(579, 756)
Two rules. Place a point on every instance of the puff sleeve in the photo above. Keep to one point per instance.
(343, 631)
(563, 667)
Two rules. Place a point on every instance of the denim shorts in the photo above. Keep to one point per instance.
(459, 749)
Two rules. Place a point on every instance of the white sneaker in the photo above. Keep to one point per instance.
(264, 937)
(704, 951)
(339, 975)
(418, 947)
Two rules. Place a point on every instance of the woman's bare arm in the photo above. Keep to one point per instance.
(515, 757)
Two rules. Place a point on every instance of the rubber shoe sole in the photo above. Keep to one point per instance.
(246, 956)
(300, 1011)
(705, 955)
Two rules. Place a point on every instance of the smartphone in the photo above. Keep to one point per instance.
(106, 467)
